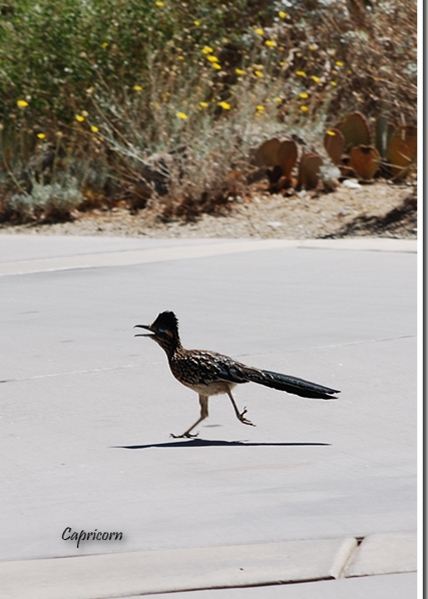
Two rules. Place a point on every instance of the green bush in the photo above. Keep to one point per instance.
(52, 51)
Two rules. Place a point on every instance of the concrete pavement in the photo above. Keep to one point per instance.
(86, 409)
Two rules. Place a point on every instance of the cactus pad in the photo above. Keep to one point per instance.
(309, 170)
(287, 156)
(402, 150)
(365, 160)
(355, 130)
(267, 154)
(334, 143)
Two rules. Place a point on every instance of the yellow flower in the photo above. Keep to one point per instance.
(80, 118)
(312, 48)
(304, 95)
(304, 108)
(259, 31)
(206, 50)
(212, 58)
(138, 88)
(160, 3)
(282, 15)
(239, 72)
(41, 135)
(333, 83)
(216, 66)
(339, 63)
(224, 105)
(22, 104)
(94, 129)
(258, 74)
(104, 45)
(270, 43)
(316, 79)
(180, 57)
(332, 133)
(301, 73)
(277, 100)
(181, 115)
(203, 104)
(260, 108)
(197, 23)
(282, 63)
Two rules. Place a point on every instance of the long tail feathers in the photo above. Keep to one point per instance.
(291, 384)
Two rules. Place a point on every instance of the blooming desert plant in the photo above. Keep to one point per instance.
(202, 82)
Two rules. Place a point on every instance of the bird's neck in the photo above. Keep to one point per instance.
(171, 346)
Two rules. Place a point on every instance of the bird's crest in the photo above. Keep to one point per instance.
(166, 322)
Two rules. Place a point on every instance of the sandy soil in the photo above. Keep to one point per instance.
(380, 209)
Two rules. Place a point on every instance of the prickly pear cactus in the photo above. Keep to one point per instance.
(287, 157)
(402, 151)
(267, 154)
(355, 130)
(309, 170)
(365, 160)
(334, 143)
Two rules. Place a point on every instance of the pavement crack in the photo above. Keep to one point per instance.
(332, 345)
(366, 341)
(58, 374)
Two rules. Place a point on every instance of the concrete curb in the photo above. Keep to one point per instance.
(198, 250)
(148, 572)
(384, 554)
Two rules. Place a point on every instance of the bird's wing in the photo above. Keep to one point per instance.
(211, 366)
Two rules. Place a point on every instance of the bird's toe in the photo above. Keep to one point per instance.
(184, 436)
(245, 420)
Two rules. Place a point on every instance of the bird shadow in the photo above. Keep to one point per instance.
(217, 443)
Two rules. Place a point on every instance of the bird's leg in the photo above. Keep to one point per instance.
(203, 400)
(239, 415)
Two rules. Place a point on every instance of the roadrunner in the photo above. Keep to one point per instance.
(209, 373)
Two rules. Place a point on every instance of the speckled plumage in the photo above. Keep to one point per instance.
(210, 373)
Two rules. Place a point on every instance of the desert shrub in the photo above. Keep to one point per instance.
(46, 203)
(111, 83)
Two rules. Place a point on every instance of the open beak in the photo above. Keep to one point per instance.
(144, 326)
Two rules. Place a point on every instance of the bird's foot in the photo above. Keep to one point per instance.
(184, 436)
(243, 419)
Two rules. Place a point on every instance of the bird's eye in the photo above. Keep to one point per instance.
(166, 332)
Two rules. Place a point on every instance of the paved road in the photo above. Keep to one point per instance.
(87, 409)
